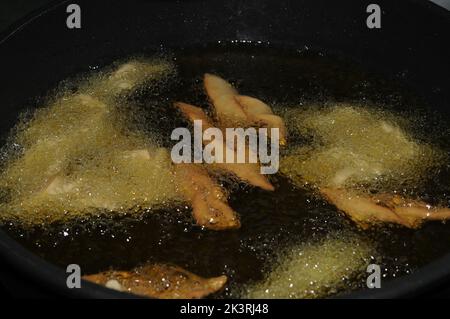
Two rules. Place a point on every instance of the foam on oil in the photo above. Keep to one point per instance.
(359, 147)
(80, 154)
(314, 270)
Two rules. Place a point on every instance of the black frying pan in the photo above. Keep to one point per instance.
(413, 46)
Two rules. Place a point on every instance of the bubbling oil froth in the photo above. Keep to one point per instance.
(358, 147)
(80, 154)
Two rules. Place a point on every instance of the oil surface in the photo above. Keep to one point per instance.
(271, 222)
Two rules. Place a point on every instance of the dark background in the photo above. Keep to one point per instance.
(13, 10)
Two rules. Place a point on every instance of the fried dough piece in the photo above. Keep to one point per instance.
(160, 281)
(59, 185)
(222, 96)
(208, 200)
(234, 109)
(79, 187)
(130, 75)
(259, 112)
(194, 113)
(367, 210)
(249, 172)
